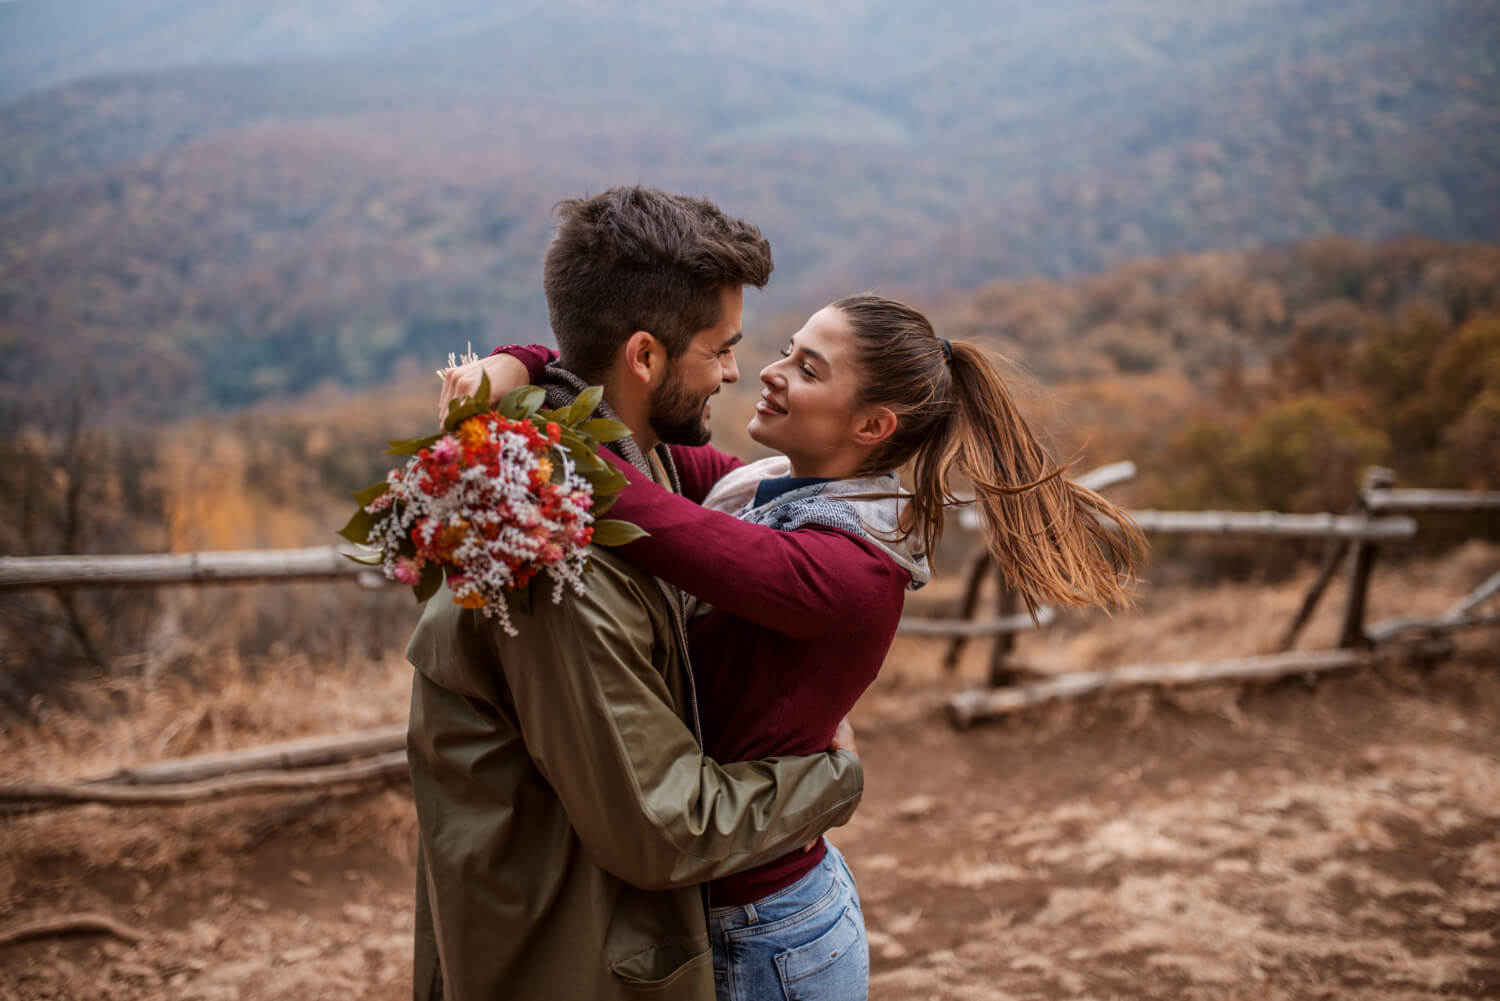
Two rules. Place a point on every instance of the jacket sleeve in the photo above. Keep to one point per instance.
(597, 719)
(801, 584)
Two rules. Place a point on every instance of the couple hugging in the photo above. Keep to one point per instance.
(627, 800)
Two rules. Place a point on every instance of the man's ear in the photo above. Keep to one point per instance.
(874, 426)
(645, 357)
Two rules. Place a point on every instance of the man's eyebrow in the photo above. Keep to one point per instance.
(739, 335)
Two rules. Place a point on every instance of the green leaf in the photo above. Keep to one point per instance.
(612, 532)
(412, 446)
(602, 504)
(606, 481)
(603, 429)
(369, 493)
(610, 481)
(521, 402)
(360, 525)
(583, 405)
(584, 458)
(460, 410)
(371, 559)
(432, 579)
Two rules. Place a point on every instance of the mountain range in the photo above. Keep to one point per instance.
(207, 204)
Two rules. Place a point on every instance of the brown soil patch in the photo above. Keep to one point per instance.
(1277, 842)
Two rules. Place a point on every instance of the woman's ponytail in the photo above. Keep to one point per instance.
(1056, 542)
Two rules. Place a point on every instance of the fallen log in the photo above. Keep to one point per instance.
(32, 796)
(1484, 592)
(973, 705)
(302, 753)
(1388, 630)
(84, 923)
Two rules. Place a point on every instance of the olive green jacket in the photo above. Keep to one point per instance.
(567, 813)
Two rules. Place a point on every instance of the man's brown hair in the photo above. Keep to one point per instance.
(634, 258)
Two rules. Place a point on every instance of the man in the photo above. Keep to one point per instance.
(567, 813)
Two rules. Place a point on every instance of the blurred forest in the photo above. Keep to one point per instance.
(213, 204)
(1246, 380)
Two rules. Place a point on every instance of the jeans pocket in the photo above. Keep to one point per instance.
(835, 966)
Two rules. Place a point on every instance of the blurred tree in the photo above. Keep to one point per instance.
(1307, 454)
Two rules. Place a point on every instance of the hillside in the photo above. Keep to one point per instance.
(293, 200)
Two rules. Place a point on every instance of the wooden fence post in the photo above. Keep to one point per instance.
(978, 567)
(1008, 602)
(1353, 632)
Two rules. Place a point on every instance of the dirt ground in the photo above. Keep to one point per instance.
(1340, 840)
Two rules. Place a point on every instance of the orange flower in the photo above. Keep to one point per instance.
(470, 599)
(473, 432)
(451, 537)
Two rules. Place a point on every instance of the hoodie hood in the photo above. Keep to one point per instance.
(862, 506)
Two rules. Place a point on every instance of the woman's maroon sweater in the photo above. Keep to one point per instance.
(802, 622)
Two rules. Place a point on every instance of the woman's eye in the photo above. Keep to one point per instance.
(809, 372)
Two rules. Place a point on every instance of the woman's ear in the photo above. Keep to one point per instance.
(645, 357)
(875, 426)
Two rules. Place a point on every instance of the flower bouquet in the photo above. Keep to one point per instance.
(499, 495)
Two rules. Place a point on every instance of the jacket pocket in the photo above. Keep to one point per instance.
(673, 966)
(658, 940)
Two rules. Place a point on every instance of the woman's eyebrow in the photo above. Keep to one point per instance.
(815, 356)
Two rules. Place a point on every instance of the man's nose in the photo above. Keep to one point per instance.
(731, 369)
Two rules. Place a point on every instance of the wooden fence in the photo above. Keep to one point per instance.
(1380, 517)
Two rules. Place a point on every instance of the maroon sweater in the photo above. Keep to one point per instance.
(802, 622)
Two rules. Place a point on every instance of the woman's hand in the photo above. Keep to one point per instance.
(506, 373)
(843, 740)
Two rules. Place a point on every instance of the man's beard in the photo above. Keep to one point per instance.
(676, 417)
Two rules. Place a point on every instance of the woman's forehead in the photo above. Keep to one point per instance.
(826, 330)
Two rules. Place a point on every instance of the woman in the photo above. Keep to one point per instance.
(800, 563)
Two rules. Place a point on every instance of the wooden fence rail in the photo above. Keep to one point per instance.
(378, 754)
(157, 569)
(1275, 524)
(1386, 501)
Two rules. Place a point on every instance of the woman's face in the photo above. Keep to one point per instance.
(806, 409)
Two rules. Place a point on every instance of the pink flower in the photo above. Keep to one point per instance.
(446, 449)
(406, 571)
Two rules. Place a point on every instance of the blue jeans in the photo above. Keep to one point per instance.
(804, 943)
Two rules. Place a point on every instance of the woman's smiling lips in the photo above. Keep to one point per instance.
(768, 405)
